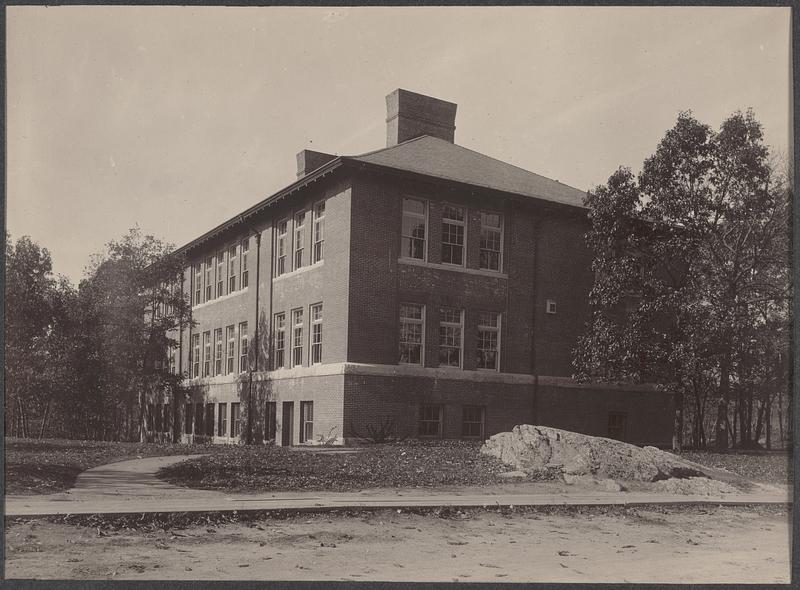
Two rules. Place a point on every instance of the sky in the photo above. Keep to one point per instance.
(178, 118)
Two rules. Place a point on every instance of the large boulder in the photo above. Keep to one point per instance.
(541, 449)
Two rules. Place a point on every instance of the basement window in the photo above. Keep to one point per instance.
(430, 420)
(473, 423)
(551, 306)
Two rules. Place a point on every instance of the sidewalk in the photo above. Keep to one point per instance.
(131, 487)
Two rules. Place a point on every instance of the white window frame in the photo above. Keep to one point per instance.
(198, 286)
(315, 334)
(489, 328)
(409, 320)
(318, 233)
(222, 419)
(299, 232)
(550, 306)
(236, 419)
(232, 258)
(306, 421)
(196, 355)
(244, 344)
(449, 324)
(219, 351)
(244, 273)
(209, 279)
(424, 217)
(281, 235)
(230, 352)
(221, 271)
(280, 337)
(502, 241)
(207, 353)
(456, 223)
(297, 337)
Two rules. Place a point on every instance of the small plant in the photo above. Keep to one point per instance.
(328, 440)
(384, 432)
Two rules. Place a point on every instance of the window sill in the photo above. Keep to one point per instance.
(453, 268)
(223, 298)
(299, 271)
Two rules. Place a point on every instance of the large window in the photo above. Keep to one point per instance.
(412, 333)
(230, 358)
(198, 284)
(209, 419)
(243, 348)
(206, 354)
(316, 333)
(319, 231)
(218, 349)
(299, 238)
(220, 273)
(453, 235)
(412, 244)
(430, 420)
(297, 337)
(280, 247)
(473, 423)
(306, 421)
(491, 241)
(236, 419)
(489, 340)
(280, 341)
(209, 278)
(451, 324)
(195, 355)
(245, 273)
(222, 420)
(232, 258)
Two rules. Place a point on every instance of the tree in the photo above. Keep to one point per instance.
(689, 259)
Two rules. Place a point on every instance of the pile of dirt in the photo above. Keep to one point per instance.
(538, 450)
(694, 486)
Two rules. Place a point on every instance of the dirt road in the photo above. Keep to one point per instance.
(689, 545)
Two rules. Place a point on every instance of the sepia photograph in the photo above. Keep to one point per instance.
(370, 294)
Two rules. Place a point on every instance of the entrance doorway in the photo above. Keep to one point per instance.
(287, 424)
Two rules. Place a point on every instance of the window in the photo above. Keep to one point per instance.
(206, 354)
(412, 244)
(412, 333)
(299, 238)
(231, 356)
(198, 284)
(489, 340)
(236, 419)
(232, 269)
(491, 257)
(453, 235)
(218, 351)
(280, 248)
(617, 422)
(473, 423)
(306, 421)
(271, 426)
(245, 274)
(280, 340)
(209, 277)
(187, 425)
(450, 331)
(222, 420)
(316, 333)
(297, 337)
(220, 273)
(551, 306)
(430, 420)
(209, 420)
(319, 231)
(243, 348)
(198, 418)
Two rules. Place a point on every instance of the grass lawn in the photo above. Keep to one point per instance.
(772, 467)
(407, 464)
(52, 465)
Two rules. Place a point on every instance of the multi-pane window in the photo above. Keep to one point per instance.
(297, 337)
(316, 333)
(491, 257)
(489, 340)
(280, 247)
(243, 347)
(220, 273)
(206, 354)
(280, 340)
(306, 421)
(209, 277)
(209, 420)
(222, 420)
(299, 238)
(195, 355)
(230, 358)
(245, 273)
(451, 323)
(412, 330)
(430, 420)
(232, 258)
(319, 231)
(412, 244)
(453, 235)
(236, 419)
(472, 424)
(218, 349)
(198, 284)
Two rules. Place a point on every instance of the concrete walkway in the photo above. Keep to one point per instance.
(131, 487)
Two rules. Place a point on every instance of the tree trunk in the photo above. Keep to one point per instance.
(780, 418)
(721, 430)
(768, 422)
(44, 419)
(677, 432)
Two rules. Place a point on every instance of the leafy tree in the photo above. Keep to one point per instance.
(690, 258)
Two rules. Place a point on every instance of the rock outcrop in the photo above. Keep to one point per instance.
(541, 449)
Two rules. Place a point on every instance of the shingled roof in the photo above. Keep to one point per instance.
(438, 158)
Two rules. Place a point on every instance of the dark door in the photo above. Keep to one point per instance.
(272, 421)
(287, 424)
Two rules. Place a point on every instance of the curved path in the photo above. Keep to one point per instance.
(131, 486)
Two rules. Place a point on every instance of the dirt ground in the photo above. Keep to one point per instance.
(686, 545)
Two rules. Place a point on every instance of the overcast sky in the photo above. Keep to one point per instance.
(179, 118)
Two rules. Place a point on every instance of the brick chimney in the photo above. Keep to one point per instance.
(409, 115)
(309, 160)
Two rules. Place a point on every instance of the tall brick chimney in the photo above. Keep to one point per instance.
(409, 115)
